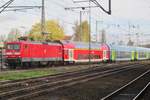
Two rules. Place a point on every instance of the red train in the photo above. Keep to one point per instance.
(64, 52)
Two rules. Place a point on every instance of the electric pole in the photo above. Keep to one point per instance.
(80, 25)
(89, 32)
(97, 31)
(81, 14)
(43, 18)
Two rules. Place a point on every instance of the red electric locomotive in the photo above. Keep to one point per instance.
(24, 52)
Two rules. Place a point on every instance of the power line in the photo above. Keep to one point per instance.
(17, 9)
(24, 6)
(6, 5)
(99, 5)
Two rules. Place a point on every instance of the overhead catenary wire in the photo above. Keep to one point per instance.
(6, 5)
(23, 8)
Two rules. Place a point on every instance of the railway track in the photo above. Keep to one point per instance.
(141, 95)
(144, 94)
(67, 73)
(31, 88)
(20, 81)
(134, 90)
(29, 80)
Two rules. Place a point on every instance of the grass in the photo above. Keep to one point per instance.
(16, 75)
(24, 74)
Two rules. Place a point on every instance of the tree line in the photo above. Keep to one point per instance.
(53, 30)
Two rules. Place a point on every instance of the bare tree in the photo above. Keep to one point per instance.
(103, 38)
(130, 43)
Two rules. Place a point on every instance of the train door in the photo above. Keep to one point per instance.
(133, 55)
(137, 55)
(147, 55)
(71, 54)
(113, 55)
(104, 55)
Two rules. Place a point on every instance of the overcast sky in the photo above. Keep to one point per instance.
(124, 12)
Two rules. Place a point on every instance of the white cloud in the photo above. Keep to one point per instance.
(131, 9)
(137, 11)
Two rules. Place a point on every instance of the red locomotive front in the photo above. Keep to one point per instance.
(13, 52)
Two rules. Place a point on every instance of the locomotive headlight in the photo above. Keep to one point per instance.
(17, 53)
(92, 52)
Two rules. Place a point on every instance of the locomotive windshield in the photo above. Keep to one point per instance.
(13, 46)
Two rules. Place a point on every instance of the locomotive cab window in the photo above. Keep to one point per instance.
(13, 46)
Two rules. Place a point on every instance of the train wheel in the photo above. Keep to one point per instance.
(44, 64)
(51, 64)
(26, 65)
(11, 66)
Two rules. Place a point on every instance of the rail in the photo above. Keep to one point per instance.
(142, 92)
(118, 91)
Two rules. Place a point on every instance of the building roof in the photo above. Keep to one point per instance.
(67, 37)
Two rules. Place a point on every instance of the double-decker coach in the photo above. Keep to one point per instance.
(122, 53)
(79, 52)
(143, 53)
